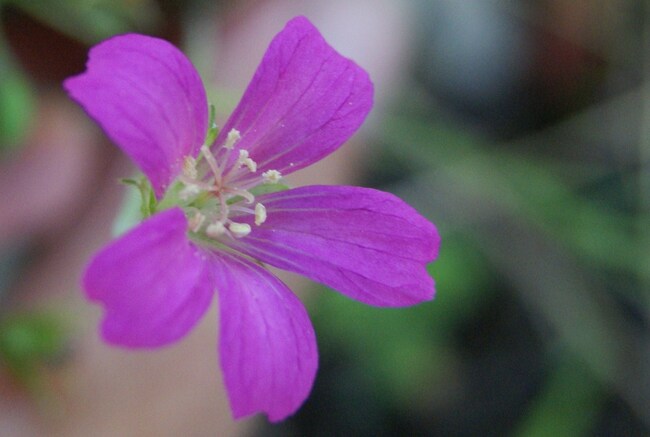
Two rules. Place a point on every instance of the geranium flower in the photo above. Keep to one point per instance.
(215, 209)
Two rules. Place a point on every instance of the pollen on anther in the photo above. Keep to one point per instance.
(239, 229)
(271, 176)
(215, 229)
(232, 138)
(189, 167)
(245, 160)
(260, 214)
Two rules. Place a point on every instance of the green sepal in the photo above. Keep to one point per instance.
(136, 205)
(268, 188)
(148, 203)
(151, 204)
(213, 130)
(130, 212)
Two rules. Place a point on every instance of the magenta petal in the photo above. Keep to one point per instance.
(149, 100)
(304, 101)
(152, 282)
(365, 243)
(267, 344)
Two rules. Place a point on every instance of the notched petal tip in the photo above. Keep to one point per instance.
(304, 101)
(267, 345)
(152, 282)
(148, 98)
(364, 243)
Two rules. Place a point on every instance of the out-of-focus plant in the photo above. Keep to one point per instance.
(16, 103)
(29, 339)
(531, 218)
(92, 20)
(28, 342)
(519, 227)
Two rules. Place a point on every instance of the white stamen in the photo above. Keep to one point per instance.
(239, 229)
(271, 176)
(260, 214)
(244, 159)
(196, 222)
(189, 167)
(215, 229)
(212, 163)
(233, 137)
(238, 208)
(243, 193)
(222, 198)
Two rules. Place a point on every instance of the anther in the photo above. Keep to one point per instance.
(232, 138)
(189, 168)
(239, 229)
(260, 214)
(245, 160)
(215, 229)
(271, 176)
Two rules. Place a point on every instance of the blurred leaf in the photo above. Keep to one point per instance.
(394, 346)
(409, 349)
(463, 281)
(28, 341)
(528, 189)
(94, 20)
(11, 260)
(567, 406)
(16, 104)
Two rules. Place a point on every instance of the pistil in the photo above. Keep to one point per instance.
(214, 218)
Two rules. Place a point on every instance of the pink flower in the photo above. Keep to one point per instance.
(217, 214)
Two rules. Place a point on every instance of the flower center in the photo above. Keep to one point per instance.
(211, 203)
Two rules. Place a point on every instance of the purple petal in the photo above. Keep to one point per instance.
(149, 100)
(304, 101)
(152, 282)
(267, 344)
(365, 243)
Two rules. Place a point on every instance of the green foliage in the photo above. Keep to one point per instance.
(16, 107)
(28, 341)
(17, 102)
(93, 20)
(567, 405)
(564, 246)
(409, 349)
(517, 222)
(529, 189)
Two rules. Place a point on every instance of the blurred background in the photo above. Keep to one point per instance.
(521, 128)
